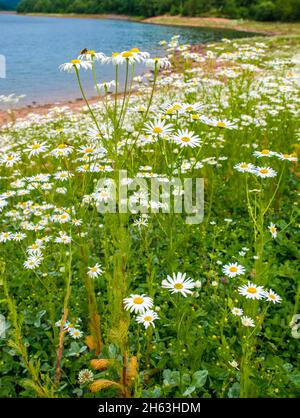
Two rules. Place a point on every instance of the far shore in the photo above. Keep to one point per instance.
(266, 28)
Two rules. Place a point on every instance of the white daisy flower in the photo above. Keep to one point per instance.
(19, 236)
(95, 271)
(33, 261)
(247, 322)
(233, 269)
(288, 157)
(62, 150)
(185, 138)
(251, 291)
(237, 311)
(272, 228)
(158, 127)
(10, 159)
(138, 303)
(134, 55)
(75, 65)
(244, 167)
(36, 148)
(264, 153)
(271, 296)
(75, 333)
(6, 236)
(179, 284)
(147, 318)
(91, 55)
(264, 172)
(63, 175)
(158, 63)
(63, 238)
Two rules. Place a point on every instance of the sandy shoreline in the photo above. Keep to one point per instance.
(23, 112)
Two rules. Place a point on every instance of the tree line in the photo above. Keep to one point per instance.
(8, 4)
(268, 10)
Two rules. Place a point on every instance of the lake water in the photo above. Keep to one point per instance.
(34, 47)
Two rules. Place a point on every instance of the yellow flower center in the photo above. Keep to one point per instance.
(178, 286)
(134, 50)
(271, 296)
(195, 116)
(88, 150)
(189, 108)
(265, 152)
(10, 157)
(138, 300)
(233, 269)
(177, 107)
(252, 290)
(157, 130)
(61, 146)
(264, 171)
(91, 52)
(127, 54)
(147, 318)
(74, 62)
(115, 54)
(185, 139)
(221, 124)
(170, 111)
(35, 146)
(244, 165)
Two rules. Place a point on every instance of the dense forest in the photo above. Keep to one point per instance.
(285, 10)
(8, 4)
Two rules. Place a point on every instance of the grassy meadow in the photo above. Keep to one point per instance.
(142, 302)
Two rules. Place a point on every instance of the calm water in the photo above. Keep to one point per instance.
(34, 47)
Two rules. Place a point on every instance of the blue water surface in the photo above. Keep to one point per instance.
(34, 47)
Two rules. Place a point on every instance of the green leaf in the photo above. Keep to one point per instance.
(295, 379)
(185, 379)
(37, 322)
(189, 391)
(288, 367)
(199, 378)
(171, 378)
(234, 390)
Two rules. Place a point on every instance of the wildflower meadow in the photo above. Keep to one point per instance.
(149, 242)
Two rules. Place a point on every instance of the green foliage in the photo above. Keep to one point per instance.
(9, 4)
(266, 10)
(285, 10)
